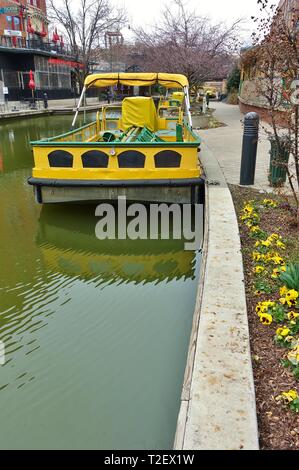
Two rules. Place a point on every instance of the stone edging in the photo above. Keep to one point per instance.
(218, 400)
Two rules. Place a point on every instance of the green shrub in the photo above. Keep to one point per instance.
(291, 277)
(233, 81)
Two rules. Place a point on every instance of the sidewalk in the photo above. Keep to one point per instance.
(226, 145)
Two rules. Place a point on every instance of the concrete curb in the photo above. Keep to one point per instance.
(218, 401)
(28, 113)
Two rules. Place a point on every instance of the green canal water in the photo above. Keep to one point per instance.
(96, 332)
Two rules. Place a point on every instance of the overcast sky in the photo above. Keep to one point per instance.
(146, 12)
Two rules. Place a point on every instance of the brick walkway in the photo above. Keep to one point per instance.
(226, 144)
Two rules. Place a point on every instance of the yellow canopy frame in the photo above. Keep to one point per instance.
(168, 80)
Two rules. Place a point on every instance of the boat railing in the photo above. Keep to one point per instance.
(86, 133)
(102, 116)
(171, 111)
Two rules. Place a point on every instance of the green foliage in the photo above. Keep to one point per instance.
(278, 313)
(295, 328)
(285, 363)
(259, 235)
(295, 405)
(294, 369)
(291, 277)
(263, 287)
(234, 78)
(282, 343)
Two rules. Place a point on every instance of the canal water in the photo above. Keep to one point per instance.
(96, 332)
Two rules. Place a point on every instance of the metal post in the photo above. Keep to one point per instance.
(249, 149)
(188, 107)
(84, 112)
(78, 107)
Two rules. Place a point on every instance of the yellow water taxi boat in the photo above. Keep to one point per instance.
(138, 151)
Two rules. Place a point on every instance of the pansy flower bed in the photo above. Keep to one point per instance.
(271, 269)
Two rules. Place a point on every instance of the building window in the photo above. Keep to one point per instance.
(13, 23)
(34, 3)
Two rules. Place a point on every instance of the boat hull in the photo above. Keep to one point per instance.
(180, 191)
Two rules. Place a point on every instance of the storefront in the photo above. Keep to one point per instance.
(52, 74)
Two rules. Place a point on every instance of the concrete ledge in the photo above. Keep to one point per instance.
(218, 401)
(26, 113)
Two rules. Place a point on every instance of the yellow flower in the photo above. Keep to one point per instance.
(289, 339)
(277, 260)
(255, 229)
(256, 256)
(258, 269)
(266, 243)
(259, 308)
(275, 273)
(266, 319)
(293, 316)
(274, 236)
(269, 304)
(281, 245)
(290, 396)
(283, 332)
(291, 298)
(270, 203)
(248, 209)
(292, 294)
(293, 355)
(283, 291)
(263, 307)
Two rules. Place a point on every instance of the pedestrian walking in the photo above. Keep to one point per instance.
(208, 100)
(108, 94)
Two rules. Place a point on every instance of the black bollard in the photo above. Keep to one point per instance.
(249, 149)
(45, 101)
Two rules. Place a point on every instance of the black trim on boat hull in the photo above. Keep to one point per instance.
(115, 183)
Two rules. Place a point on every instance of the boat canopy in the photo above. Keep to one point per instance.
(168, 80)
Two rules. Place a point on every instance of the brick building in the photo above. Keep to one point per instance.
(25, 45)
(250, 96)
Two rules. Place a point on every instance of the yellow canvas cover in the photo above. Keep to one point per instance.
(178, 95)
(139, 111)
(168, 80)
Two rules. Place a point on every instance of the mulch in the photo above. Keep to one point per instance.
(278, 426)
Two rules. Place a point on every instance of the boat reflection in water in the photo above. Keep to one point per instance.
(69, 246)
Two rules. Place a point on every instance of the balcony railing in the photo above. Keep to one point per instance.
(36, 44)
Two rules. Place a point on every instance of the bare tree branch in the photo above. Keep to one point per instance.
(85, 23)
(187, 43)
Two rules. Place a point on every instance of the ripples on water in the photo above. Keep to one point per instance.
(96, 333)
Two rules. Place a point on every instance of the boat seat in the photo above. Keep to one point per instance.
(166, 132)
(139, 111)
(147, 136)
